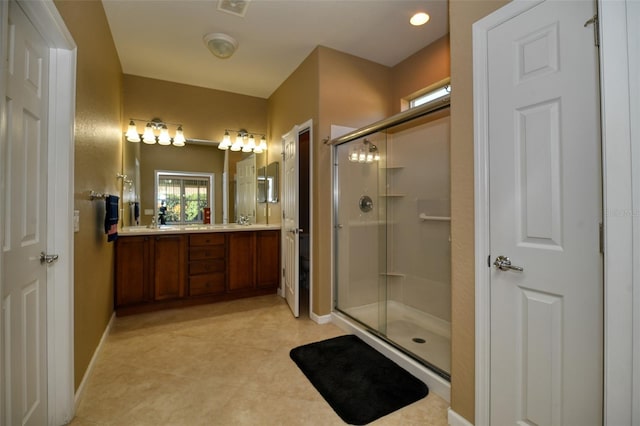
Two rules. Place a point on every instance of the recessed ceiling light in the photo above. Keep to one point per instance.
(419, 18)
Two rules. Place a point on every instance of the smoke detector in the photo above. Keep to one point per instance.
(234, 7)
(220, 44)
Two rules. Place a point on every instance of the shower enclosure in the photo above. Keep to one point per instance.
(392, 232)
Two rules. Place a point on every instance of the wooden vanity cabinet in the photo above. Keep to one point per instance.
(133, 271)
(172, 270)
(242, 263)
(169, 266)
(149, 268)
(268, 259)
(207, 266)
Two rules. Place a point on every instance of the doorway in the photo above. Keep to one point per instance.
(297, 220)
(304, 196)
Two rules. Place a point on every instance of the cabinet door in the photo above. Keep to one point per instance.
(268, 259)
(241, 260)
(132, 271)
(169, 268)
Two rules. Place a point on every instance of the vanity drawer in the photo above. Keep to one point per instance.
(205, 267)
(211, 252)
(206, 284)
(206, 239)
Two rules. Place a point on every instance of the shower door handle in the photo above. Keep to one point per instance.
(504, 264)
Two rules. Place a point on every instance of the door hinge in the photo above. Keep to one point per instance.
(283, 272)
(596, 29)
(601, 236)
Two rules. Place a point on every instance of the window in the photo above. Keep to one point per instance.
(181, 197)
(430, 96)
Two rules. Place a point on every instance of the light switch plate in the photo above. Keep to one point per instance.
(76, 221)
(148, 212)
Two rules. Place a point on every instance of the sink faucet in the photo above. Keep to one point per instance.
(153, 223)
(243, 220)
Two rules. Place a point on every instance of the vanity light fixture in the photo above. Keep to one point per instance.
(155, 131)
(366, 153)
(245, 141)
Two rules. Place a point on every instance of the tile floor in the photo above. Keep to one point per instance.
(219, 364)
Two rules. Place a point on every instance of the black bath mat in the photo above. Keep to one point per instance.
(358, 382)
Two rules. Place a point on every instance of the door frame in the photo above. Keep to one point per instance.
(620, 138)
(62, 82)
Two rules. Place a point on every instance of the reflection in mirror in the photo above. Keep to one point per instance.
(142, 161)
(268, 183)
(262, 182)
(246, 190)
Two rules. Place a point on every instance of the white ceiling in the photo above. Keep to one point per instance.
(162, 39)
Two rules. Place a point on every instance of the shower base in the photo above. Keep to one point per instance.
(437, 384)
(404, 324)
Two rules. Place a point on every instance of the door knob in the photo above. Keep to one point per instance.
(504, 264)
(48, 258)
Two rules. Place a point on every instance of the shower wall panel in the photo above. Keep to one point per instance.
(419, 225)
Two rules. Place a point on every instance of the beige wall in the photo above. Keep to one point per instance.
(97, 161)
(462, 14)
(204, 114)
(294, 102)
(353, 92)
(422, 69)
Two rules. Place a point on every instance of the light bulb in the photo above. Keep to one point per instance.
(226, 141)
(362, 157)
(164, 138)
(132, 133)
(251, 142)
(263, 143)
(179, 139)
(237, 145)
(148, 137)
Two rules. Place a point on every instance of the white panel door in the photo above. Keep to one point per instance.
(290, 221)
(545, 210)
(24, 289)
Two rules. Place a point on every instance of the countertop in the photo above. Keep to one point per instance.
(190, 229)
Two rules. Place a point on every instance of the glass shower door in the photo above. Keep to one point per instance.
(361, 231)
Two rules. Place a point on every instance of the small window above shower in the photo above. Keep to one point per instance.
(431, 93)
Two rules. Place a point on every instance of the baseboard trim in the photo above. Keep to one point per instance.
(456, 419)
(89, 370)
(320, 319)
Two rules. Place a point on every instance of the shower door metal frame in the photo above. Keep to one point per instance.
(403, 117)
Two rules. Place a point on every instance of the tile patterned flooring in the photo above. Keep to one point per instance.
(220, 364)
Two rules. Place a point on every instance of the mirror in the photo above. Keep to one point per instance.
(268, 183)
(140, 163)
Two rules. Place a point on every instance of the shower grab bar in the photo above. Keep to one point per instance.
(424, 217)
(403, 117)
